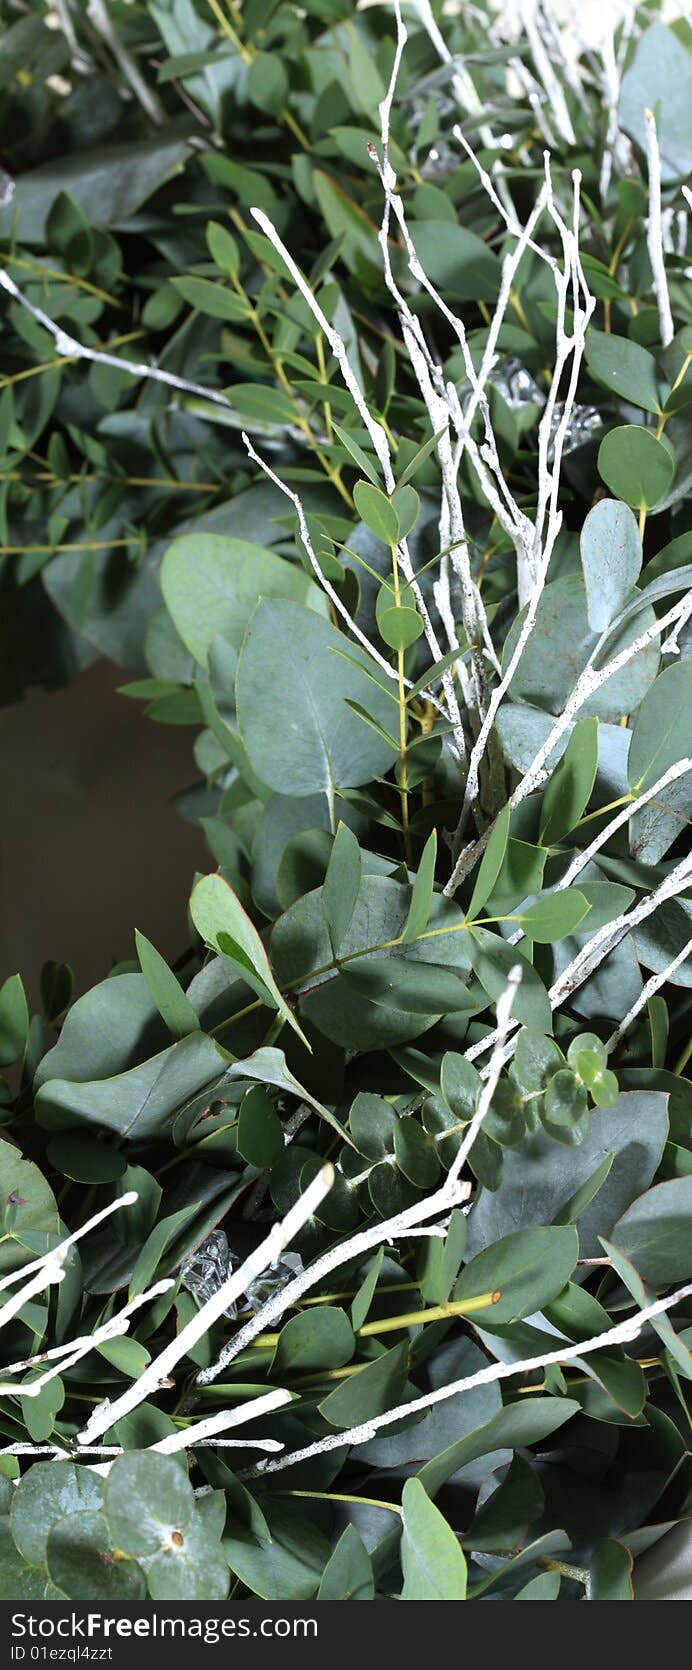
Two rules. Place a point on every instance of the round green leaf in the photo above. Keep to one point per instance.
(148, 1502)
(566, 1105)
(211, 585)
(14, 1020)
(554, 915)
(348, 1575)
(299, 733)
(29, 1219)
(321, 1337)
(611, 556)
(559, 648)
(432, 1562)
(416, 1154)
(376, 1387)
(50, 1491)
(400, 627)
(18, 1581)
(636, 466)
(372, 1123)
(286, 1568)
(406, 503)
(82, 1563)
(624, 367)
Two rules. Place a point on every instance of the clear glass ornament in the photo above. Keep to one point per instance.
(273, 1280)
(516, 385)
(582, 424)
(208, 1268)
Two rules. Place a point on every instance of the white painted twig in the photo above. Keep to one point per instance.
(622, 1334)
(333, 595)
(609, 936)
(81, 63)
(202, 1434)
(597, 949)
(61, 1453)
(587, 684)
(378, 439)
(113, 1329)
(69, 348)
(551, 83)
(374, 429)
(505, 1005)
(236, 1284)
(213, 1424)
(50, 1272)
(649, 990)
(654, 233)
(463, 87)
(581, 859)
(670, 645)
(450, 1194)
(63, 1247)
(356, 1247)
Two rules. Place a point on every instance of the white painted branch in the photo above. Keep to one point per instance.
(463, 87)
(505, 1005)
(606, 939)
(622, 1334)
(61, 1453)
(670, 645)
(551, 83)
(654, 233)
(50, 1272)
(236, 1284)
(356, 1247)
(70, 349)
(251, 1410)
(333, 595)
(451, 1193)
(113, 1329)
(587, 684)
(597, 949)
(610, 83)
(649, 990)
(581, 859)
(373, 428)
(63, 1247)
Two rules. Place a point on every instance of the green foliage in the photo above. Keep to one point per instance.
(338, 998)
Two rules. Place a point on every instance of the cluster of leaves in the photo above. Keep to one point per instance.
(333, 991)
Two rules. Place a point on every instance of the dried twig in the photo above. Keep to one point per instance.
(622, 1334)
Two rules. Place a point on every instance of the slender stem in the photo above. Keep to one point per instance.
(342, 1496)
(412, 1319)
(403, 768)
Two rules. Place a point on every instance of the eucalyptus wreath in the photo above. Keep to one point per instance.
(346, 406)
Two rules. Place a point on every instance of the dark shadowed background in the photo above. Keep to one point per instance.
(90, 845)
